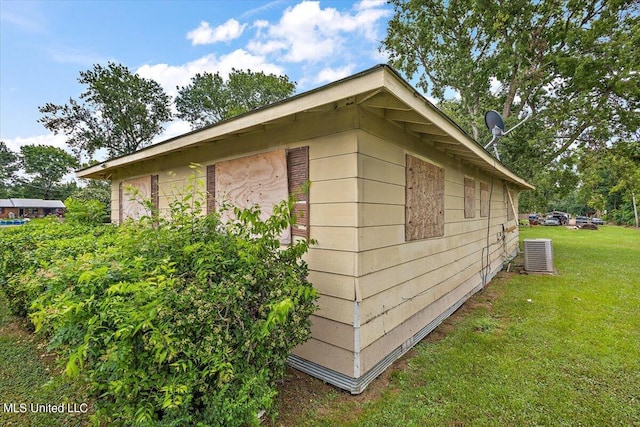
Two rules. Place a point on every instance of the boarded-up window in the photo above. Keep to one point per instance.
(509, 203)
(133, 193)
(424, 205)
(298, 175)
(484, 199)
(211, 188)
(469, 198)
(253, 180)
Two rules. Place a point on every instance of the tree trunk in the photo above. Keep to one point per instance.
(635, 208)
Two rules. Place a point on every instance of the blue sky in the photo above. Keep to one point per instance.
(44, 45)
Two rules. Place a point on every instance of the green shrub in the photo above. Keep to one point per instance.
(87, 212)
(29, 250)
(183, 321)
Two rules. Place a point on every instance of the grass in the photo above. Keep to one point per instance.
(25, 370)
(532, 350)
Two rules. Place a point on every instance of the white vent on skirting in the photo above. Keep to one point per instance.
(538, 255)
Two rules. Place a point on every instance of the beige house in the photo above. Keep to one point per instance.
(411, 215)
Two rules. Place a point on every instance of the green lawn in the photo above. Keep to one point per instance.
(534, 350)
(25, 370)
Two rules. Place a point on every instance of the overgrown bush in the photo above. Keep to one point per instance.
(30, 250)
(87, 212)
(173, 322)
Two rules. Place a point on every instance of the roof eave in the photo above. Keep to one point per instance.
(376, 78)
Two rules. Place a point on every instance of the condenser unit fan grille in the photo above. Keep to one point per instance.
(538, 255)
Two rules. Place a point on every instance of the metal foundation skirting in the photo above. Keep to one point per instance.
(357, 385)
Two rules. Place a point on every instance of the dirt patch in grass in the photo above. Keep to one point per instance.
(301, 396)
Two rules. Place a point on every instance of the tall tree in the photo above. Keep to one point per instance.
(47, 165)
(9, 165)
(574, 65)
(208, 99)
(610, 180)
(119, 111)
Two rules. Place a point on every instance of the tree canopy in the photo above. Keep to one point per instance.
(47, 165)
(8, 167)
(209, 99)
(573, 65)
(119, 111)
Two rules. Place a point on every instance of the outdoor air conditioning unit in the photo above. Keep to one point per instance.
(538, 256)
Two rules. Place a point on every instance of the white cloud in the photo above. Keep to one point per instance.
(175, 128)
(204, 34)
(333, 74)
(66, 55)
(170, 76)
(261, 23)
(262, 8)
(59, 141)
(368, 4)
(28, 16)
(308, 33)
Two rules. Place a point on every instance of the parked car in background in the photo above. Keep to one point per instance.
(551, 220)
(597, 221)
(534, 219)
(581, 220)
(561, 217)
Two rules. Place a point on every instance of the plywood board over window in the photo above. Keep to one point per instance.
(424, 203)
(484, 199)
(469, 198)
(509, 202)
(133, 193)
(260, 180)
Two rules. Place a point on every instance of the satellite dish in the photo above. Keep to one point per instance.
(494, 122)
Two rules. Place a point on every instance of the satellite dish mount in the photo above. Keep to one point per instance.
(495, 124)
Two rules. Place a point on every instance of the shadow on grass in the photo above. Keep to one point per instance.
(529, 350)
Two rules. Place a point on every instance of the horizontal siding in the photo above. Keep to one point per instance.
(327, 355)
(371, 214)
(380, 192)
(380, 236)
(377, 148)
(398, 280)
(337, 309)
(333, 284)
(453, 246)
(333, 214)
(378, 349)
(330, 261)
(384, 280)
(344, 190)
(332, 332)
(393, 317)
(333, 167)
(376, 169)
(335, 238)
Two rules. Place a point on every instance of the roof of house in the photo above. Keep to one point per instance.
(31, 203)
(380, 89)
